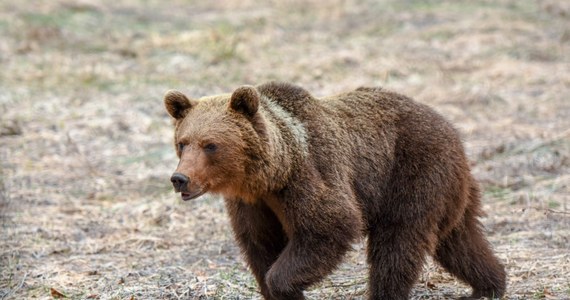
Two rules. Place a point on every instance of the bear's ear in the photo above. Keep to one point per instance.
(177, 104)
(245, 100)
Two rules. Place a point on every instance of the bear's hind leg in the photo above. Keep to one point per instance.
(396, 255)
(466, 254)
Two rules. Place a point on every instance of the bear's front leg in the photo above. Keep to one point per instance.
(307, 259)
(323, 229)
(259, 235)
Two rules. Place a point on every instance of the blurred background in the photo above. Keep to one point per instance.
(86, 206)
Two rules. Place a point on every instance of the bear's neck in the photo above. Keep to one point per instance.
(283, 151)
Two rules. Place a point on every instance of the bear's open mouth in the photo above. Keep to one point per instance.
(190, 196)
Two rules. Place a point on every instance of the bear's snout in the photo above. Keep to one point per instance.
(180, 182)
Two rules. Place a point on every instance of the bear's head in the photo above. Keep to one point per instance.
(219, 141)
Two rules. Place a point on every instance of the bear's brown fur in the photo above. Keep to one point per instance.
(303, 178)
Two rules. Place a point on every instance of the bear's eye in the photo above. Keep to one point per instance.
(180, 147)
(210, 148)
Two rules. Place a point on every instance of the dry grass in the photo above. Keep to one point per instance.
(85, 145)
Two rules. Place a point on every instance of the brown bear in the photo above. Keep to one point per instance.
(305, 177)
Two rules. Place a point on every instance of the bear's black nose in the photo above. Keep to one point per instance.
(179, 181)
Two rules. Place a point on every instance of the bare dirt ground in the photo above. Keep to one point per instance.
(86, 205)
